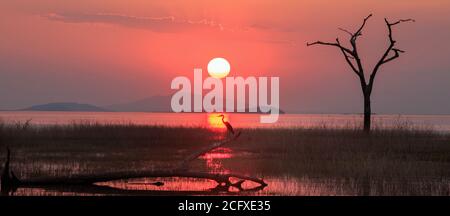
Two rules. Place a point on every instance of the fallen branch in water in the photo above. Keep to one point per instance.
(10, 182)
(222, 179)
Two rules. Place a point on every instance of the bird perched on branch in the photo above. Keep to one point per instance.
(227, 124)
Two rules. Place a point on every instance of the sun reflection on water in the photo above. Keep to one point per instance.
(215, 121)
(214, 159)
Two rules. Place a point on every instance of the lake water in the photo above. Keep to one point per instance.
(213, 161)
(238, 120)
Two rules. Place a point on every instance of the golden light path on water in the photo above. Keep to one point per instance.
(237, 120)
(214, 121)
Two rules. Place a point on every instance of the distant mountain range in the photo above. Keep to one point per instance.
(150, 104)
(65, 107)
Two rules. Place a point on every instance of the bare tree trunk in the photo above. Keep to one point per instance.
(353, 59)
(367, 113)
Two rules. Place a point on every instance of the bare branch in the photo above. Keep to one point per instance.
(346, 31)
(358, 33)
(355, 51)
(384, 59)
(347, 58)
(364, 22)
(348, 54)
(321, 43)
(402, 20)
(389, 25)
(331, 44)
(396, 55)
(398, 50)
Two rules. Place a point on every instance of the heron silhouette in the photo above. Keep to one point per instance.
(227, 124)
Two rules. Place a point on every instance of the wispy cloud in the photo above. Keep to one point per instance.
(157, 24)
(168, 24)
(273, 27)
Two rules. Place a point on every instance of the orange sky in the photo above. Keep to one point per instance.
(105, 52)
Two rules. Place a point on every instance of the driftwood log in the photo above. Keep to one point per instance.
(9, 182)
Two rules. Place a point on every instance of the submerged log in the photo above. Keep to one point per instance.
(107, 190)
(223, 179)
(9, 181)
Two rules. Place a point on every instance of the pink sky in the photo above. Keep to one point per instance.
(106, 52)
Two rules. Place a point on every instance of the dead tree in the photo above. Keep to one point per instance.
(353, 59)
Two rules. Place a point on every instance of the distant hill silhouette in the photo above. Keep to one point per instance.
(280, 111)
(65, 107)
(152, 104)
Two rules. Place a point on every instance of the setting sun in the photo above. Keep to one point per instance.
(134, 98)
(218, 68)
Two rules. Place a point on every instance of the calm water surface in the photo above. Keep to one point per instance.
(435, 122)
(277, 185)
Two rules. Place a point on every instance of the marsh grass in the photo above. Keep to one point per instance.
(398, 161)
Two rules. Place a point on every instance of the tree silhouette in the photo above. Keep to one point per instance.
(353, 59)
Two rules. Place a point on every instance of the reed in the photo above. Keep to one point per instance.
(418, 159)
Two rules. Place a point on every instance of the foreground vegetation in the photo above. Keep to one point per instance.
(398, 161)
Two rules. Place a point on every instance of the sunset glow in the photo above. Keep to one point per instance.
(243, 98)
(124, 51)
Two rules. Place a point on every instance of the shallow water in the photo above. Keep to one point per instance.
(238, 120)
(284, 185)
(277, 186)
(69, 161)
